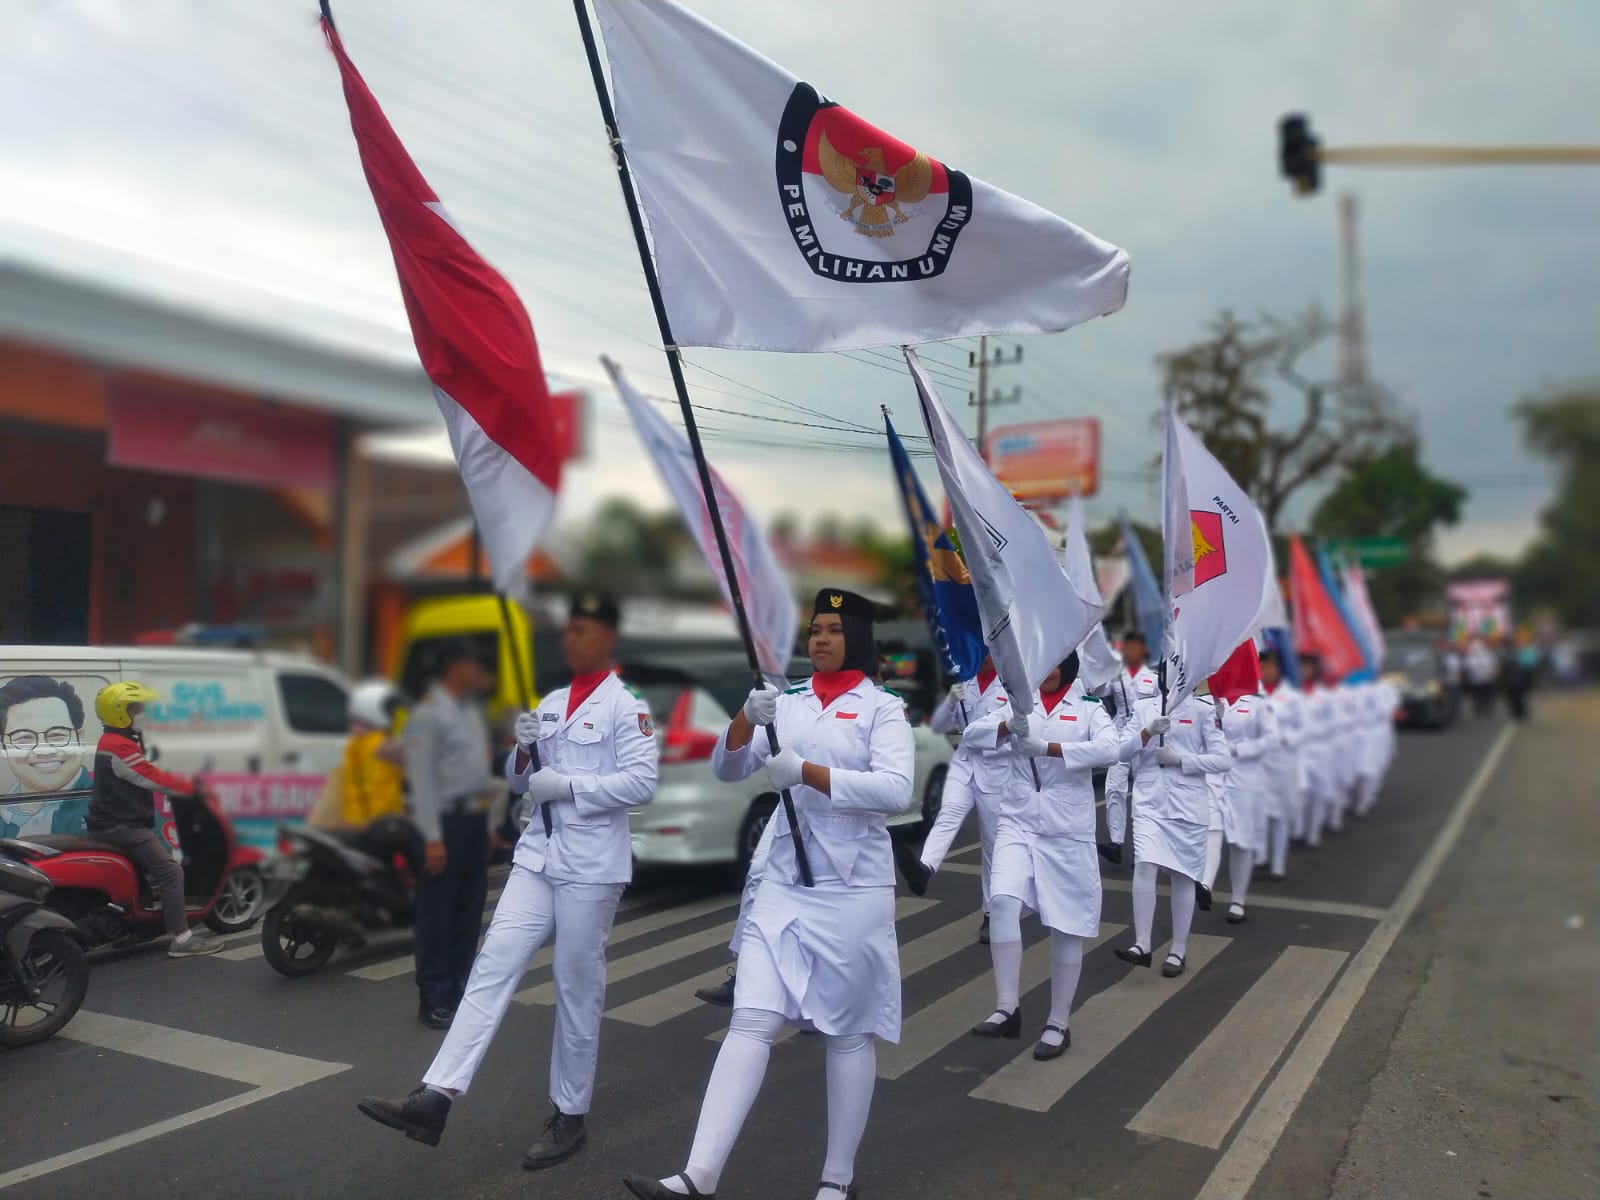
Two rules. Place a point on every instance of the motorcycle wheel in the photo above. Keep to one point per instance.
(291, 947)
(238, 905)
(61, 968)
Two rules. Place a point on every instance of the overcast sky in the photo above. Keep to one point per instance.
(200, 150)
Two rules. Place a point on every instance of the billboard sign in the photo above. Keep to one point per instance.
(1047, 460)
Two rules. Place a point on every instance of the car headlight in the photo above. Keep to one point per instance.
(1432, 688)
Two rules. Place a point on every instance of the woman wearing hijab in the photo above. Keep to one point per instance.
(1045, 857)
(1172, 753)
(824, 957)
(1251, 729)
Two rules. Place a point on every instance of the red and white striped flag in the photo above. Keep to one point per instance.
(475, 342)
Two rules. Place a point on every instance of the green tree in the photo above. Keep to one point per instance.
(1561, 570)
(1391, 494)
(1229, 385)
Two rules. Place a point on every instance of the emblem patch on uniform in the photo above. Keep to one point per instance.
(903, 210)
(588, 724)
(644, 725)
(1185, 721)
(549, 716)
(836, 600)
(844, 716)
(1210, 556)
(1068, 717)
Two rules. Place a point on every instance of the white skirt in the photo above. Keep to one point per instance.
(1058, 877)
(1169, 842)
(825, 955)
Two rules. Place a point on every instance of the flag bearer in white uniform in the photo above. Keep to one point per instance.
(1376, 709)
(596, 760)
(824, 956)
(1134, 683)
(1251, 729)
(1319, 746)
(1044, 849)
(1284, 799)
(1171, 755)
(975, 780)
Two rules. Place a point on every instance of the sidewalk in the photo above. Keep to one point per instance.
(1489, 1088)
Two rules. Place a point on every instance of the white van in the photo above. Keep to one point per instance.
(269, 726)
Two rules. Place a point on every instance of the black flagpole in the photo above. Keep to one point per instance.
(625, 178)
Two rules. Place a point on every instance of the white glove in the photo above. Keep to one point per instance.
(761, 706)
(958, 692)
(527, 731)
(547, 787)
(783, 769)
(1032, 747)
(1158, 726)
(1017, 726)
(1169, 756)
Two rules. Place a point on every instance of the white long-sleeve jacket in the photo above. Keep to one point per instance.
(1175, 793)
(1063, 803)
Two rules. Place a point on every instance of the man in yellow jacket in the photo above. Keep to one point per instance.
(369, 781)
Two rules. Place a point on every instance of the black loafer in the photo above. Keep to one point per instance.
(1132, 954)
(436, 1016)
(720, 994)
(1173, 966)
(651, 1189)
(563, 1137)
(1235, 917)
(1044, 1051)
(851, 1192)
(983, 931)
(420, 1116)
(1202, 896)
(1111, 852)
(1011, 1027)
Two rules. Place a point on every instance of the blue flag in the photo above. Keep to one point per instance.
(948, 599)
(1149, 607)
(1281, 641)
(1330, 584)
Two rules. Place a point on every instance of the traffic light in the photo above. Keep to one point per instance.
(1297, 154)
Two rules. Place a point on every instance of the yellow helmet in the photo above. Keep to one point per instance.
(111, 703)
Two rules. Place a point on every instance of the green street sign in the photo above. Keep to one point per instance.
(1375, 553)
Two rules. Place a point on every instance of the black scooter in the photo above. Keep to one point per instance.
(333, 889)
(44, 972)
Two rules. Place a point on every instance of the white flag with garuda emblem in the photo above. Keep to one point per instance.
(1218, 561)
(783, 221)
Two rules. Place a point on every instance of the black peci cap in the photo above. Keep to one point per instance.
(597, 606)
(844, 604)
(1134, 635)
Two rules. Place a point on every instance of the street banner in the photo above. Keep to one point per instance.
(783, 221)
(1318, 627)
(1047, 460)
(768, 599)
(1098, 660)
(475, 342)
(1033, 617)
(949, 601)
(1479, 608)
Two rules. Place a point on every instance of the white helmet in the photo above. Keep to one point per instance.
(372, 701)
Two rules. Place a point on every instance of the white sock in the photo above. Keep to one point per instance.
(178, 939)
(1239, 872)
(1066, 965)
(735, 1080)
(1279, 838)
(1007, 957)
(1182, 912)
(852, 1073)
(1144, 903)
(1213, 857)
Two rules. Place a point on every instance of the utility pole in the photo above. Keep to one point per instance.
(1352, 323)
(983, 360)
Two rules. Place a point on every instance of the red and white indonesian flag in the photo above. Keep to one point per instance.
(783, 221)
(1098, 659)
(475, 342)
(769, 602)
(1218, 561)
(1033, 616)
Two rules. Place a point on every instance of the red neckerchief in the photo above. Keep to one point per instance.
(830, 685)
(985, 678)
(1051, 699)
(583, 687)
(1134, 671)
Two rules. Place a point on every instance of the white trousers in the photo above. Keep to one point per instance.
(959, 799)
(531, 907)
(1117, 778)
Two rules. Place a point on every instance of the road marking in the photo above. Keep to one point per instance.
(242, 953)
(1101, 1024)
(391, 968)
(1332, 908)
(1202, 1099)
(1236, 1171)
(269, 1072)
(967, 849)
(677, 998)
(931, 1028)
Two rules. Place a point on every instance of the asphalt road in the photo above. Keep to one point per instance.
(1244, 1078)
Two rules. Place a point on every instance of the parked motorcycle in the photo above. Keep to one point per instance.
(102, 891)
(44, 973)
(332, 889)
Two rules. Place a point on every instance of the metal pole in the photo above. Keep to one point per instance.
(675, 365)
(1415, 155)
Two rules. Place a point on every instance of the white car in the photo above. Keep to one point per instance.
(695, 817)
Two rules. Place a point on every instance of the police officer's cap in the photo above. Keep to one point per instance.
(844, 604)
(451, 651)
(1134, 635)
(597, 606)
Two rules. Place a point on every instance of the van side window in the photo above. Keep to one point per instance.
(314, 703)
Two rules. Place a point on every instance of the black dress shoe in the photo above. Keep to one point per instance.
(849, 1190)
(1235, 914)
(983, 931)
(1173, 966)
(1132, 954)
(420, 1116)
(1202, 896)
(1044, 1051)
(1011, 1027)
(720, 994)
(1277, 877)
(563, 1137)
(1110, 851)
(651, 1189)
(916, 874)
(436, 1016)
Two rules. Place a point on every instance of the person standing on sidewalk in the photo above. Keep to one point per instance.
(447, 764)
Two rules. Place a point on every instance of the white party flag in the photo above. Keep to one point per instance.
(1098, 660)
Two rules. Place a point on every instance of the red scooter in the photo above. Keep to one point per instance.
(107, 897)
